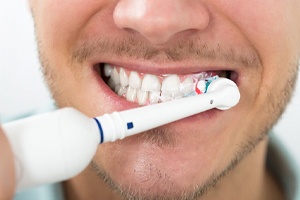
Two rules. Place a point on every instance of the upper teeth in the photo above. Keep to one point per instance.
(123, 78)
(151, 88)
(151, 83)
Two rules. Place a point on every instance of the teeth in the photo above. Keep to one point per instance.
(123, 78)
(135, 80)
(149, 89)
(121, 91)
(107, 70)
(111, 84)
(171, 84)
(177, 95)
(115, 76)
(151, 83)
(131, 94)
(165, 96)
(170, 88)
(142, 97)
(117, 88)
(187, 87)
(154, 97)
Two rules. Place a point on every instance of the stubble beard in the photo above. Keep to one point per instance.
(161, 138)
(196, 191)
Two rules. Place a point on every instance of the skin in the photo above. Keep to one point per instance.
(208, 156)
(7, 173)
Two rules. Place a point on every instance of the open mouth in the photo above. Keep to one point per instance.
(145, 89)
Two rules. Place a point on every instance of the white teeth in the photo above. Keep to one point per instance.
(150, 90)
(187, 86)
(107, 70)
(142, 97)
(154, 97)
(171, 84)
(151, 83)
(115, 76)
(165, 96)
(123, 78)
(135, 80)
(170, 88)
(177, 95)
(111, 84)
(131, 94)
(122, 90)
(117, 87)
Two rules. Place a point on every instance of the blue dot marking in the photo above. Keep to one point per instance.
(129, 125)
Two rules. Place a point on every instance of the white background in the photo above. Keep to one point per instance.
(22, 88)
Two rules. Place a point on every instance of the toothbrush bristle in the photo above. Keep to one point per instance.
(209, 80)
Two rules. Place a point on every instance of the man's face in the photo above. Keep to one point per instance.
(255, 42)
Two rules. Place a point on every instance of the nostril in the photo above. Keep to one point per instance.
(155, 28)
(158, 20)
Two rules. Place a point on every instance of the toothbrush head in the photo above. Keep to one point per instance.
(229, 92)
(202, 85)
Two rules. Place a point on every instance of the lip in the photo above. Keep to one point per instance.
(155, 68)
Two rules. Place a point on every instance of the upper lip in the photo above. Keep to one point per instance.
(171, 67)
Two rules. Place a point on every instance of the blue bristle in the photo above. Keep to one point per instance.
(209, 80)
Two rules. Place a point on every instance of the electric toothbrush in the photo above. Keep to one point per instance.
(56, 146)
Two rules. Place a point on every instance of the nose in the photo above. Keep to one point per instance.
(159, 20)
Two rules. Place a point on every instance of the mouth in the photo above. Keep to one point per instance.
(144, 89)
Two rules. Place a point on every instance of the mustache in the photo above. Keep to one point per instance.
(187, 49)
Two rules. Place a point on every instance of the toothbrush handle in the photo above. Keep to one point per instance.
(51, 147)
(223, 95)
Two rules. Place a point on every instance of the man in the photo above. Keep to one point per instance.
(213, 155)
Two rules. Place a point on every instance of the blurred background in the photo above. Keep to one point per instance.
(22, 89)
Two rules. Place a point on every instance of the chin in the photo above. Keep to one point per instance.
(162, 162)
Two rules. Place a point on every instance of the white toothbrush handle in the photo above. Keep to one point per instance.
(51, 147)
(222, 94)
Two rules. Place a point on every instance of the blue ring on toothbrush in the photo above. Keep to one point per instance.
(100, 129)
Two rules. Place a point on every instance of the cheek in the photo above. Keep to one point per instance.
(270, 27)
(59, 23)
